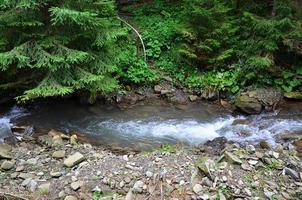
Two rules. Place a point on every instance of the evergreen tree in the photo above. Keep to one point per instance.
(59, 47)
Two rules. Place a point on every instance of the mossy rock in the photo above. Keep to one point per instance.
(293, 95)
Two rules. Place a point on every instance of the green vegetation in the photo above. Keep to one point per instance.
(54, 48)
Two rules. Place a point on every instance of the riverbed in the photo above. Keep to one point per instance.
(148, 126)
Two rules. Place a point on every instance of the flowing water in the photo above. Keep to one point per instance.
(148, 126)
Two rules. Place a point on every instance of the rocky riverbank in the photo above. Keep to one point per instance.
(57, 166)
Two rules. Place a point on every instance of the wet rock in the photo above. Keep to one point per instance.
(6, 133)
(230, 157)
(226, 104)
(248, 105)
(74, 159)
(58, 154)
(293, 95)
(240, 122)
(138, 187)
(215, 146)
(264, 144)
(7, 165)
(197, 188)
(193, 98)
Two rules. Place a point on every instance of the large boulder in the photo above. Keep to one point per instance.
(247, 104)
(253, 101)
(6, 133)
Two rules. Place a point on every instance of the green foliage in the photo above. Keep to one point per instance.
(139, 73)
(224, 45)
(63, 46)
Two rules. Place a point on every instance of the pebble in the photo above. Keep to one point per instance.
(127, 180)
(197, 188)
(125, 158)
(55, 174)
(58, 154)
(71, 198)
(248, 192)
(20, 168)
(75, 185)
(45, 188)
(138, 187)
(149, 174)
(252, 162)
(32, 161)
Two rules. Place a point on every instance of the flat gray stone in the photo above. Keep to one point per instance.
(74, 159)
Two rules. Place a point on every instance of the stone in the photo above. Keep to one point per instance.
(20, 168)
(58, 154)
(32, 161)
(157, 88)
(149, 174)
(57, 140)
(6, 133)
(248, 104)
(293, 95)
(197, 188)
(264, 144)
(252, 162)
(240, 122)
(250, 148)
(73, 139)
(44, 188)
(125, 158)
(226, 104)
(7, 165)
(55, 174)
(74, 159)
(292, 173)
(138, 187)
(230, 157)
(127, 180)
(248, 192)
(129, 195)
(193, 98)
(30, 184)
(75, 185)
(53, 133)
(70, 198)
(45, 140)
(5, 150)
